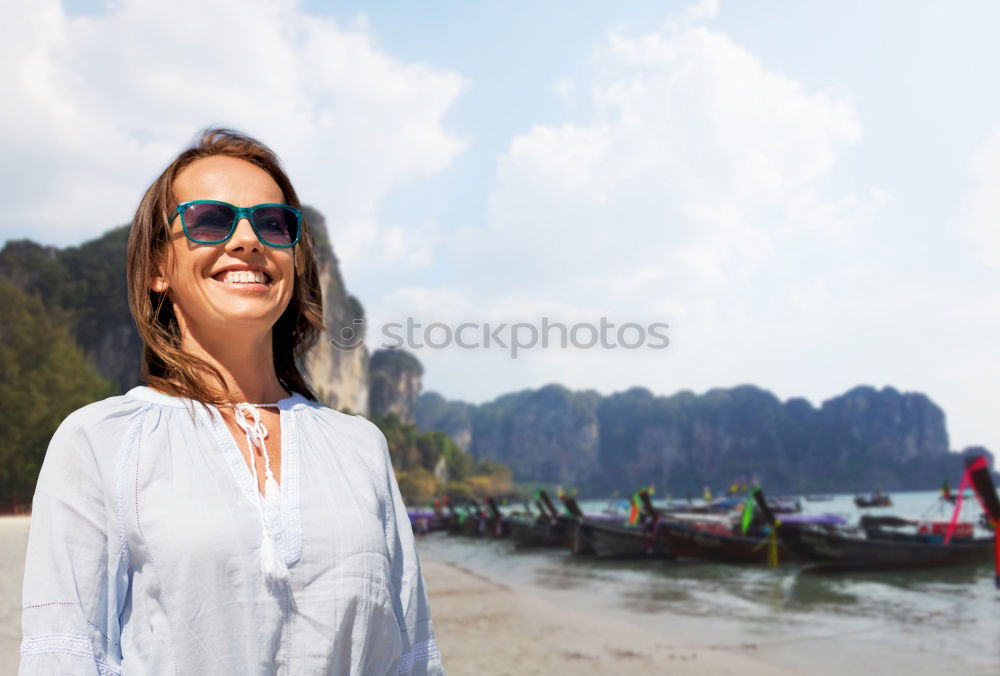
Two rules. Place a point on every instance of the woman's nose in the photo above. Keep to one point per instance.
(244, 239)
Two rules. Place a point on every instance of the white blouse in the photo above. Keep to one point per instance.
(144, 549)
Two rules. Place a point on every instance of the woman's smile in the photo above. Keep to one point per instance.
(243, 279)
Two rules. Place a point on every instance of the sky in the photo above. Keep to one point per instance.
(806, 193)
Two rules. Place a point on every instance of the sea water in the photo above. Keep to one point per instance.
(901, 622)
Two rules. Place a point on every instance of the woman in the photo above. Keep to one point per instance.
(220, 520)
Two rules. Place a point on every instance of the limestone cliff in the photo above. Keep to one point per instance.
(861, 440)
(396, 379)
(337, 366)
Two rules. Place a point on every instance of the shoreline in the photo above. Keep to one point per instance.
(488, 627)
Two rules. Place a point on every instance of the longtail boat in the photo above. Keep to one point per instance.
(827, 549)
(578, 535)
(429, 520)
(542, 530)
(916, 530)
(636, 539)
(533, 533)
(547, 529)
(721, 538)
(688, 541)
(471, 521)
(620, 541)
(977, 473)
(497, 524)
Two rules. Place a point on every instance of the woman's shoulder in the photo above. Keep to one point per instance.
(105, 414)
(89, 438)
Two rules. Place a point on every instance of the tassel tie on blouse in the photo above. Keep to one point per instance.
(248, 418)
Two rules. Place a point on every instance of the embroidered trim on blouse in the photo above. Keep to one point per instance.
(290, 487)
(284, 523)
(76, 645)
(126, 453)
(420, 652)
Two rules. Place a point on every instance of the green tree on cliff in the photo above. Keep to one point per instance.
(44, 376)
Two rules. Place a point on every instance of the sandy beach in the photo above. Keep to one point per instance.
(484, 627)
(13, 541)
(493, 629)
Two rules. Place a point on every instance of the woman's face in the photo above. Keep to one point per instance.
(200, 279)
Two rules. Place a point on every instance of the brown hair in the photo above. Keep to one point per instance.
(165, 365)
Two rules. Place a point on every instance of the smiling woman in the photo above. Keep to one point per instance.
(220, 519)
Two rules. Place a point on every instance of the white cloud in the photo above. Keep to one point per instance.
(696, 161)
(103, 103)
(696, 190)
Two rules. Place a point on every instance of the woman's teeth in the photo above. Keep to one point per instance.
(245, 277)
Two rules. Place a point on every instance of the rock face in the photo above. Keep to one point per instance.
(454, 418)
(858, 441)
(396, 379)
(338, 364)
(84, 289)
(547, 434)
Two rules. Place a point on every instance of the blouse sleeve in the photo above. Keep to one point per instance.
(420, 655)
(74, 577)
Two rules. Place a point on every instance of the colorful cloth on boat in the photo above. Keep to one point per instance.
(144, 549)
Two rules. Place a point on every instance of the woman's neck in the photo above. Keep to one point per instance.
(244, 359)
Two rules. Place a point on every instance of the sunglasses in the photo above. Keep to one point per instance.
(212, 222)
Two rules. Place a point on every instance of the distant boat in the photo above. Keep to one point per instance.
(876, 499)
(470, 520)
(818, 498)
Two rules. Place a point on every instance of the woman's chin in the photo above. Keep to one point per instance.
(248, 313)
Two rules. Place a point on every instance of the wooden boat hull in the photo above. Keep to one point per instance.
(625, 542)
(838, 551)
(691, 543)
(532, 534)
(580, 539)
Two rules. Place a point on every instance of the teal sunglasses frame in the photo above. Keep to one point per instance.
(241, 213)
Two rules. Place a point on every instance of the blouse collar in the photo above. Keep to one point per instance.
(146, 393)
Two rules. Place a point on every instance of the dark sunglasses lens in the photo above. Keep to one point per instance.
(277, 225)
(208, 222)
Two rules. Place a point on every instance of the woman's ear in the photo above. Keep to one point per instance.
(158, 282)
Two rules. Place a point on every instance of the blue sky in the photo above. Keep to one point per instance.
(805, 192)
